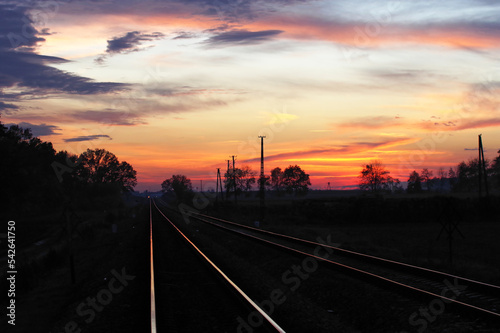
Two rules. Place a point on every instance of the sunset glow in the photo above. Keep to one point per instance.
(177, 87)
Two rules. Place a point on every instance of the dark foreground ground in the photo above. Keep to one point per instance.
(404, 230)
(411, 229)
(110, 267)
(401, 229)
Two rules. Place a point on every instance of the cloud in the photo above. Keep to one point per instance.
(397, 74)
(238, 11)
(16, 29)
(231, 10)
(30, 72)
(218, 11)
(487, 86)
(40, 130)
(46, 32)
(351, 148)
(460, 124)
(166, 91)
(242, 37)
(382, 122)
(460, 25)
(130, 42)
(479, 108)
(407, 78)
(110, 117)
(477, 123)
(184, 35)
(133, 112)
(7, 107)
(354, 32)
(371, 123)
(87, 138)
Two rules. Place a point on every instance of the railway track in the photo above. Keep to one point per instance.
(189, 293)
(463, 295)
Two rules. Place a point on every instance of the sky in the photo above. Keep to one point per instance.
(177, 87)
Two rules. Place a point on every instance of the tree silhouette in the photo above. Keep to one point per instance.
(467, 175)
(414, 183)
(392, 185)
(245, 179)
(442, 178)
(426, 176)
(373, 177)
(495, 170)
(452, 176)
(240, 180)
(99, 166)
(25, 171)
(295, 180)
(180, 185)
(39, 180)
(276, 179)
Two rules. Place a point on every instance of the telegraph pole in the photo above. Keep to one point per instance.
(482, 167)
(218, 183)
(228, 185)
(234, 180)
(262, 180)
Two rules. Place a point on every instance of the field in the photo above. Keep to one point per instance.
(47, 300)
(410, 229)
(402, 228)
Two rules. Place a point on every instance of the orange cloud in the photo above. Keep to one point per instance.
(353, 148)
(372, 34)
(372, 123)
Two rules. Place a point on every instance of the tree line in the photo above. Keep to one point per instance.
(36, 178)
(241, 181)
(464, 177)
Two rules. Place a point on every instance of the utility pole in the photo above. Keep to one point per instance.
(234, 180)
(482, 168)
(228, 185)
(262, 180)
(218, 183)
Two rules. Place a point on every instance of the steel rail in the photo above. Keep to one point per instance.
(421, 270)
(226, 278)
(375, 277)
(152, 294)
